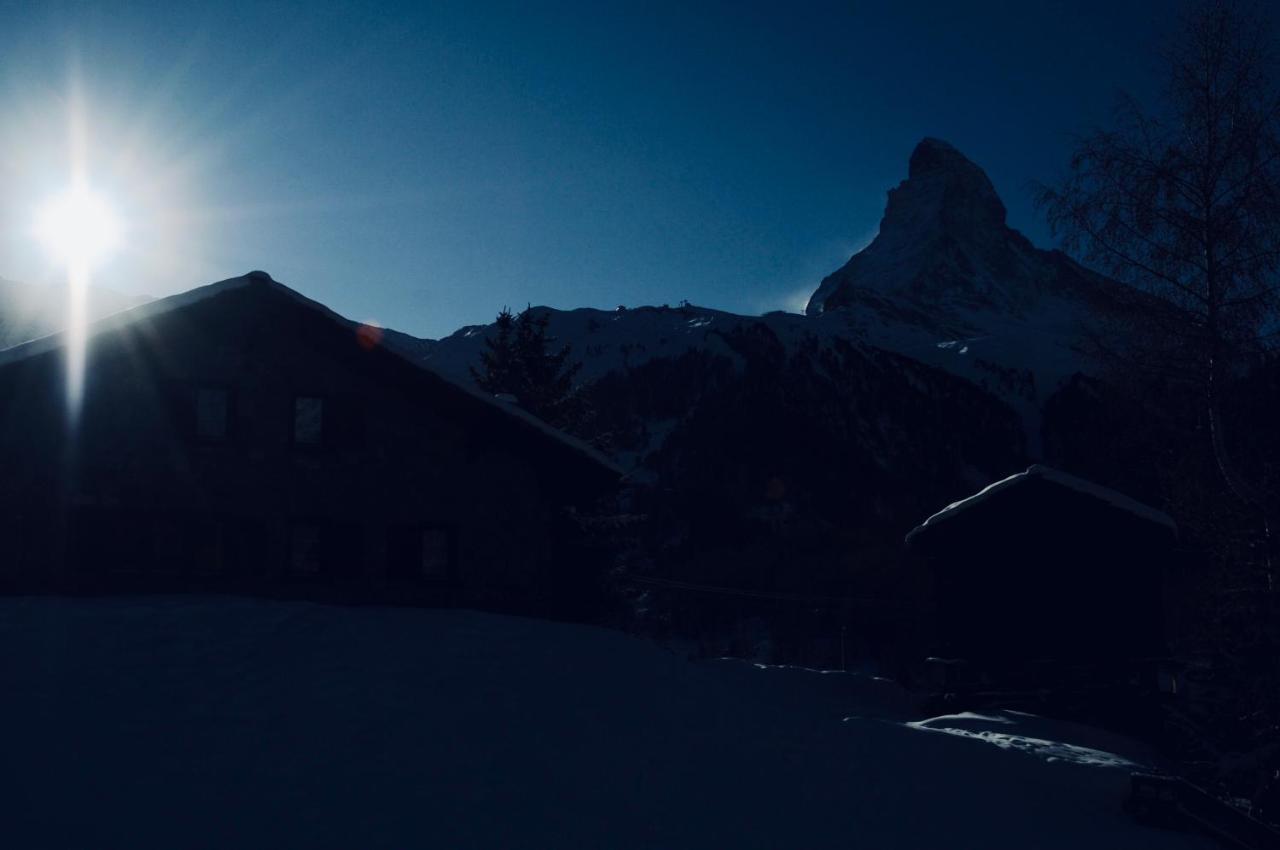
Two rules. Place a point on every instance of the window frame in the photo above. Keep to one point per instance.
(405, 564)
(339, 550)
(343, 422)
(320, 443)
(181, 402)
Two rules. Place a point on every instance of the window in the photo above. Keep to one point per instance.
(417, 553)
(213, 408)
(329, 422)
(308, 421)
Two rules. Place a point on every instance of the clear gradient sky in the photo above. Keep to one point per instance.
(424, 164)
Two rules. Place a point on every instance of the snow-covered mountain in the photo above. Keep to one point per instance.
(922, 369)
(659, 365)
(947, 281)
(944, 247)
(612, 341)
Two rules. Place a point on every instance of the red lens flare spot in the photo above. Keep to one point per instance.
(368, 336)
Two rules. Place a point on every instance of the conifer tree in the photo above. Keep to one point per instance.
(520, 359)
(497, 362)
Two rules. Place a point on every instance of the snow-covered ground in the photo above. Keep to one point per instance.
(196, 722)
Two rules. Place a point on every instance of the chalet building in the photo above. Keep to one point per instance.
(241, 437)
(1046, 567)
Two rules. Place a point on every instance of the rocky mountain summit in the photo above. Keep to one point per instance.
(945, 248)
(948, 282)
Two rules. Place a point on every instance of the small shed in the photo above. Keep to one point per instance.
(1043, 565)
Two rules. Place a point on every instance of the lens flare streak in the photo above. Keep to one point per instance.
(79, 230)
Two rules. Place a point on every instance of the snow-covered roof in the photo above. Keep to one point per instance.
(162, 306)
(1053, 476)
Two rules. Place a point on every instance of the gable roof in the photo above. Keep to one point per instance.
(1044, 473)
(161, 306)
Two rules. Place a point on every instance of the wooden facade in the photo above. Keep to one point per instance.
(242, 438)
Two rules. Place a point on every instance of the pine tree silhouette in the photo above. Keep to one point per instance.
(520, 360)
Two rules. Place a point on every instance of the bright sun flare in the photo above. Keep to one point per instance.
(78, 228)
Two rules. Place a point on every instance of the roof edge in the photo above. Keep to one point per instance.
(162, 306)
(1114, 498)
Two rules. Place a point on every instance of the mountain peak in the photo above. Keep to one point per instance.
(943, 236)
(944, 183)
(933, 154)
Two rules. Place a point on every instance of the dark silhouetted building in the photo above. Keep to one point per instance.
(1044, 566)
(242, 437)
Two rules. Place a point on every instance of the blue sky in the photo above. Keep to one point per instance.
(424, 165)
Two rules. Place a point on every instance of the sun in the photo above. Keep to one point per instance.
(78, 228)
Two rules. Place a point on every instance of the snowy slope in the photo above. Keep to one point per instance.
(947, 281)
(162, 723)
(612, 341)
(653, 374)
(608, 341)
(617, 344)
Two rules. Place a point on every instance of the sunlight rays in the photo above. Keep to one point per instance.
(79, 230)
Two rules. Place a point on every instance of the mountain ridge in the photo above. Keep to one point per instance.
(946, 282)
